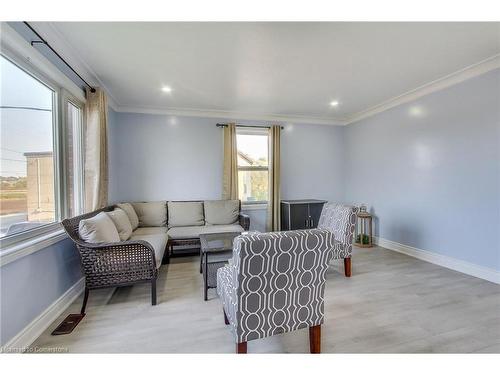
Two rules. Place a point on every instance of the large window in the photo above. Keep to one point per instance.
(40, 166)
(253, 165)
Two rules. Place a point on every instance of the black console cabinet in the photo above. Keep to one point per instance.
(300, 213)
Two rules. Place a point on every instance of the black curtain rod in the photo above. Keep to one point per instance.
(219, 125)
(43, 41)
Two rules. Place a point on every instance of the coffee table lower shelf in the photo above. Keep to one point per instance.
(210, 276)
(215, 251)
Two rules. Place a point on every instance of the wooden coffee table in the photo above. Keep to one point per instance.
(215, 251)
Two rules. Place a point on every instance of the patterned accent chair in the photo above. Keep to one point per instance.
(341, 220)
(275, 283)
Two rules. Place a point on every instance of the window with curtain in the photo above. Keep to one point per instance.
(253, 165)
(40, 153)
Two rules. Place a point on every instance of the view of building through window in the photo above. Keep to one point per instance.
(27, 195)
(253, 166)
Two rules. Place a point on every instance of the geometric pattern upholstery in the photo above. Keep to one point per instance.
(341, 220)
(275, 282)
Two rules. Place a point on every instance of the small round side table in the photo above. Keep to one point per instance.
(364, 230)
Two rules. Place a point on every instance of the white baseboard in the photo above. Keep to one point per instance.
(442, 260)
(21, 341)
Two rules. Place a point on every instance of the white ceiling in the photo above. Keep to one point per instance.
(286, 69)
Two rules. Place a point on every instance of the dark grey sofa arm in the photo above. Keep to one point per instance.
(112, 264)
(244, 220)
(117, 263)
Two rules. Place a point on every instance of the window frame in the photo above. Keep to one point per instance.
(66, 99)
(31, 240)
(246, 130)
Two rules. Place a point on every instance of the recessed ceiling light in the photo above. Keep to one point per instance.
(334, 103)
(166, 89)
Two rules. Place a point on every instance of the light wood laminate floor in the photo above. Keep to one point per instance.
(392, 304)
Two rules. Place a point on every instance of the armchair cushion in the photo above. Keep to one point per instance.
(184, 214)
(132, 215)
(98, 229)
(221, 212)
(122, 223)
(151, 214)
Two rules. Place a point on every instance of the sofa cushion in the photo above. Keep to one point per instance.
(151, 214)
(222, 211)
(157, 241)
(132, 216)
(185, 232)
(223, 228)
(122, 223)
(149, 230)
(195, 231)
(185, 214)
(99, 228)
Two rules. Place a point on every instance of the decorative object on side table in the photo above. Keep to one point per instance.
(364, 228)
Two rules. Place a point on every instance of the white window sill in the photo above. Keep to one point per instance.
(252, 207)
(24, 248)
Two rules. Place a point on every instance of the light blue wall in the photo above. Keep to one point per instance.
(312, 162)
(160, 157)
(155, 157)
(31, 284)
(430, 170)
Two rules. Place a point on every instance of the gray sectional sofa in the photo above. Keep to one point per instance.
(184, 221)
(126, 243)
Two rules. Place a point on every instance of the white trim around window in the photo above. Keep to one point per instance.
(21, 244)
(32, 245)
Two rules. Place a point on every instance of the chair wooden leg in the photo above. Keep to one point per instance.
(347, 267)
(153, 292)
(226, 320)
(241, 348)
(315, 339)
(85, 300)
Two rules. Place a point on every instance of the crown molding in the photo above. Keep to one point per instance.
(461, 75)
(233, 115)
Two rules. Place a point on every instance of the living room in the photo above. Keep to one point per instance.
(250, 187)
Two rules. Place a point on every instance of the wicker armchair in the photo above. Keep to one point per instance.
(106, 265)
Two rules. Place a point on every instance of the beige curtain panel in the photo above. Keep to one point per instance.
(96, 151)
(274, 215)
(230, 171)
